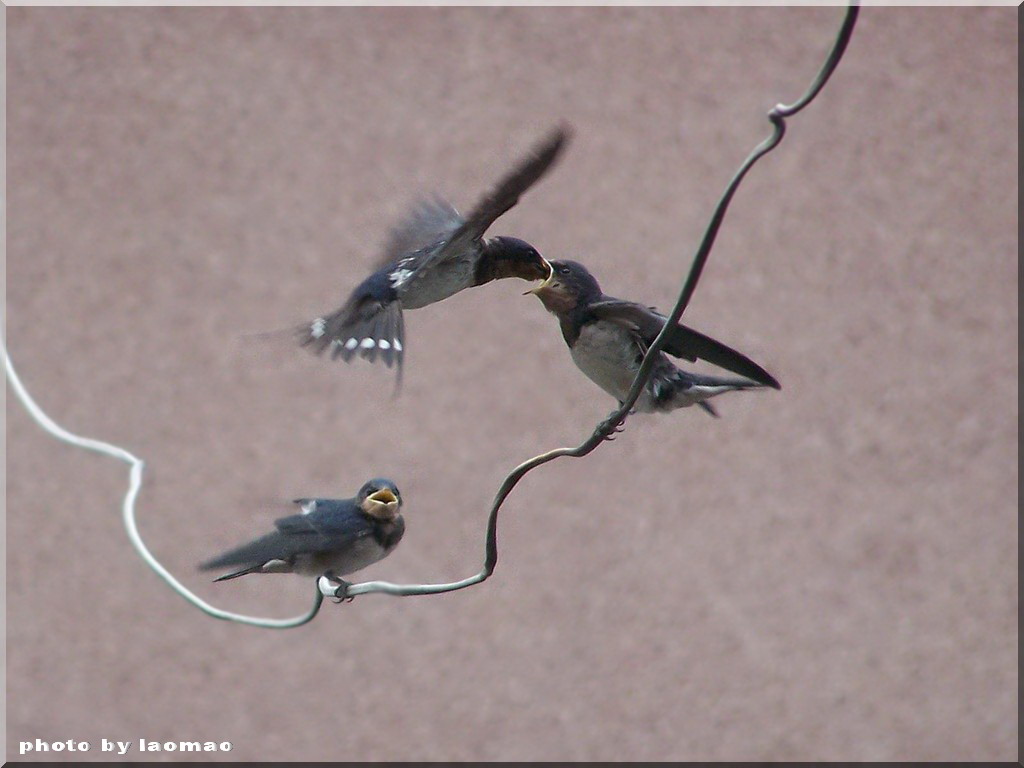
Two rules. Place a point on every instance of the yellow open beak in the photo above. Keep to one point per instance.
(384, 496)
(545, 283)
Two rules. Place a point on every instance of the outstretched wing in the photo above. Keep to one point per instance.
(499, 200)
(429, 223)
(683, 342)
(507, 192)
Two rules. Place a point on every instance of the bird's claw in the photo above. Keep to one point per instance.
(341, 594)
(611, 427)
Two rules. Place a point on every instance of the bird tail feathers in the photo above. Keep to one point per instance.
(684, 389)
(369, 329)
(252, 556)
(236, 574)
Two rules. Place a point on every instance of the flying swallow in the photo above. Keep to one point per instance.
(608, 338)
(434, 254)
(331, 537)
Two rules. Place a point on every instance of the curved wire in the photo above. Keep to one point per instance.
(604, 431)
(134, 486)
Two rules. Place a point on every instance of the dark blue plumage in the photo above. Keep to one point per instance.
(331, 537)
(432, 255)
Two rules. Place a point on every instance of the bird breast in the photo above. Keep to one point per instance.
(437, 283)
(361, 553)
(607, 354)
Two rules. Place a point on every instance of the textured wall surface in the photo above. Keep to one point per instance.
(826, 572)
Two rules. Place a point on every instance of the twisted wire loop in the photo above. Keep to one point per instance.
(606, 428)
(603, 431)
(128, 508)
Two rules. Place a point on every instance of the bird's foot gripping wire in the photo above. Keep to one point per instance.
(341, 594)
(611, 426)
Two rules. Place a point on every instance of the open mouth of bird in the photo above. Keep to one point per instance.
(546, 283)
(384, 496)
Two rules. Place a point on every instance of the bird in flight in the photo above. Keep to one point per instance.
(431, 255)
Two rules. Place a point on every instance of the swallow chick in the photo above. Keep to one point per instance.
(331, 537)
(608, 338)
(434, 254)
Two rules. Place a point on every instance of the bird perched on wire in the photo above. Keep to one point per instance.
(608, 338)
(434, 254)
(331, 537)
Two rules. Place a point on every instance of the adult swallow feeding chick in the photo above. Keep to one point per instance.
(609, 337)
(434, 254)
(331, 537)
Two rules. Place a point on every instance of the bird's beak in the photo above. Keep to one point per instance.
(384, 496)
(545, 283)
(382, 504)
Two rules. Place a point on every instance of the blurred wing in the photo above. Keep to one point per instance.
(430, 222)
(507, 192)
(683, 342)
(500, 199)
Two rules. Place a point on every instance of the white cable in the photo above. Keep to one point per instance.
(134, 486)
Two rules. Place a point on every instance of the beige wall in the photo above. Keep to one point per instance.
(826, 572)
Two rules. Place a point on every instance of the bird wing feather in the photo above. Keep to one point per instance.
(430, 222)
(683, 342)
(502, 197)
(325, 529)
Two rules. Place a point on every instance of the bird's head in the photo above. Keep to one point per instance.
(511, 257)
(568, 284)
(379, 498)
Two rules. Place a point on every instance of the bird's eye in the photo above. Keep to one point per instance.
(564, 270)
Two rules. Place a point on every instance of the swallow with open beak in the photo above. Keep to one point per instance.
(331, 537)
(608, 338)
(434, 254)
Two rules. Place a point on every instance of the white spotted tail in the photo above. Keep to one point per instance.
(369, 329)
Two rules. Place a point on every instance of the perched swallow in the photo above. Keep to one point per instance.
(609, 337)
(331, 537)
(434, 254)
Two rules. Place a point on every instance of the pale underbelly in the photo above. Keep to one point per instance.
(354, 558)
(442, 282)
(610, 357)
(607, 355)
